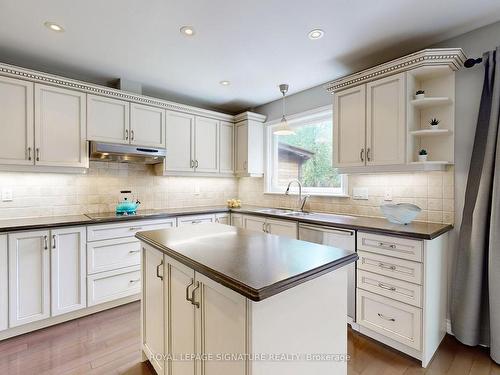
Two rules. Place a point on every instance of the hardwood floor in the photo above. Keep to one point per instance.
(109, 343)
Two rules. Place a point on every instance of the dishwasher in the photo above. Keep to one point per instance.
(341, 238)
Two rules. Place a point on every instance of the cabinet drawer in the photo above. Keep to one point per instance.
(112, 285)
(195, 219)
(389, 266)
(393, 246)
(113, 254)
(389, 287)
(128, 229)
(396, 320)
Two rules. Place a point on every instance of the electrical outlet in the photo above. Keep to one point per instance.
(6, 195)
(360, 193)
(388, 194)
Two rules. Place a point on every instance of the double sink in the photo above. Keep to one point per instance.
(302, 214)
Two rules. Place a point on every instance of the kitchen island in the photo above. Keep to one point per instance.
(224, 300)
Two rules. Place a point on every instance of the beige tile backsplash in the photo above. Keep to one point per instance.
(47, 194)
(431, 191)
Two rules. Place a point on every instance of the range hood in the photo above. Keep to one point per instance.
(100, 151)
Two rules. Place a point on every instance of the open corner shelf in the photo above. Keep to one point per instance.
(430, 132)
(430, 102)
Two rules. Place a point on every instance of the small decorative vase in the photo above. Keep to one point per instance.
(419, 96)
(422, 157)
(434, 127)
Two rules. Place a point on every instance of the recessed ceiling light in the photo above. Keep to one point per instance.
(316, 34)
(54, 26)
(187, 30)
(225, 83)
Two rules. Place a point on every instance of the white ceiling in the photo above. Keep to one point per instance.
(254, 44)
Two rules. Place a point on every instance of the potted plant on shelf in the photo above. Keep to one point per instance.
(422, 155)
(434, 123)
(420, 94)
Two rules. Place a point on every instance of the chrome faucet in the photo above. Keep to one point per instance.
(302, 200)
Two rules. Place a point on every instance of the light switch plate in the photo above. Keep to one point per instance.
(6, 195)
(360, 193)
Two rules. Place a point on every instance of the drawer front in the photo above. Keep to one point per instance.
(396, 320)
(391, 267)
(128, 229)
(195, 219)
(403, 248)
(113, 254)
(112, 285)
(387, 286)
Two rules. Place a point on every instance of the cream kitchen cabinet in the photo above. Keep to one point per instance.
(206, 145)
(60, 127)
(273, 226)
(4, 284)
(223, 218)
(29, 277)
(108, 119)
(237, 220)
(16, 120)
(179, 140)
(226, 148)
(249, 136)
(370, 124)
(147, 125)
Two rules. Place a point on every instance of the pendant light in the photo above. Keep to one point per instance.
(283, 128)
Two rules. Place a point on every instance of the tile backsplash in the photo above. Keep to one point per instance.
(47, 194)
(431, 191)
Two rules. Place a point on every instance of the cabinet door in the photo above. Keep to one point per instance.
(4, 284)
(16, 120)
(221, 319)
(206, 150)
(237, 220)
(241, 149)
(153, 313)
(182, 316)
(226, 149)
(254, 223)
(60, 127)
(180, 137)
(282, 228)
(29, 277)
(147, 125)
(107, 119)
(68, 270)
(386, 124)
(349, 127)
(222, 218)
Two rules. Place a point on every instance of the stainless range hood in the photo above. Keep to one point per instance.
(100, 151)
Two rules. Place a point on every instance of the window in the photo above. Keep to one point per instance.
(305, 156)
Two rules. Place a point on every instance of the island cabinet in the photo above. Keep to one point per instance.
(272, 226)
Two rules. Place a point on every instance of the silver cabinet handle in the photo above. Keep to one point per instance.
(386, 317)
(53, 241)
(268, 228)
(383, 244)
(29, 153)
(45, 241)
(158, 270)
(196, 166)
(245, 165)
(263, 227)
(135, 228)
(368, 157)
(387, 266)
(388, 287)
(126, 134)
(134, 281)
(362, 154)
(196, 222)
(187, 291)
(131, 135)
(134, 251)
(197, 304)
(37, 154)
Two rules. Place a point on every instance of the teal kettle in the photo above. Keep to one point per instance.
(128, 205)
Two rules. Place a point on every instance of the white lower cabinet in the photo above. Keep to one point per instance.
(224, 218)
(285, 228)
(108, 286)
(237, 220)
(68, 270)
(4, 284)
(29, 277)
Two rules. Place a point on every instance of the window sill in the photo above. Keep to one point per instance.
(341, 195)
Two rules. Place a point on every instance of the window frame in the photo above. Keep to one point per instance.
(271, 152)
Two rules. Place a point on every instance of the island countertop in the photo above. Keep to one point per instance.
(254, 264)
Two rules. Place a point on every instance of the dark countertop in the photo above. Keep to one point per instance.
(254, 264)
(417, 230)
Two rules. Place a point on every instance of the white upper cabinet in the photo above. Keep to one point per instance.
(107, 119)
(16, 120)
(206, 150)
(226, 149)
(349, 127)
(249, 136)
(386, 121)
(60, 127)
(147, 125)
(179, 140)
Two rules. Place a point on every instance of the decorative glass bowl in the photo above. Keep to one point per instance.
(401, 213)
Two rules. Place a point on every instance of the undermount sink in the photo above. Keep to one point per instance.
(275, 211)
(298, 213)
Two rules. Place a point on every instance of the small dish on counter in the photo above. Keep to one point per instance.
(401, 213)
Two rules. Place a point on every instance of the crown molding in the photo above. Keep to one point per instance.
(249, 116)
(454, 58)
(89, 88)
